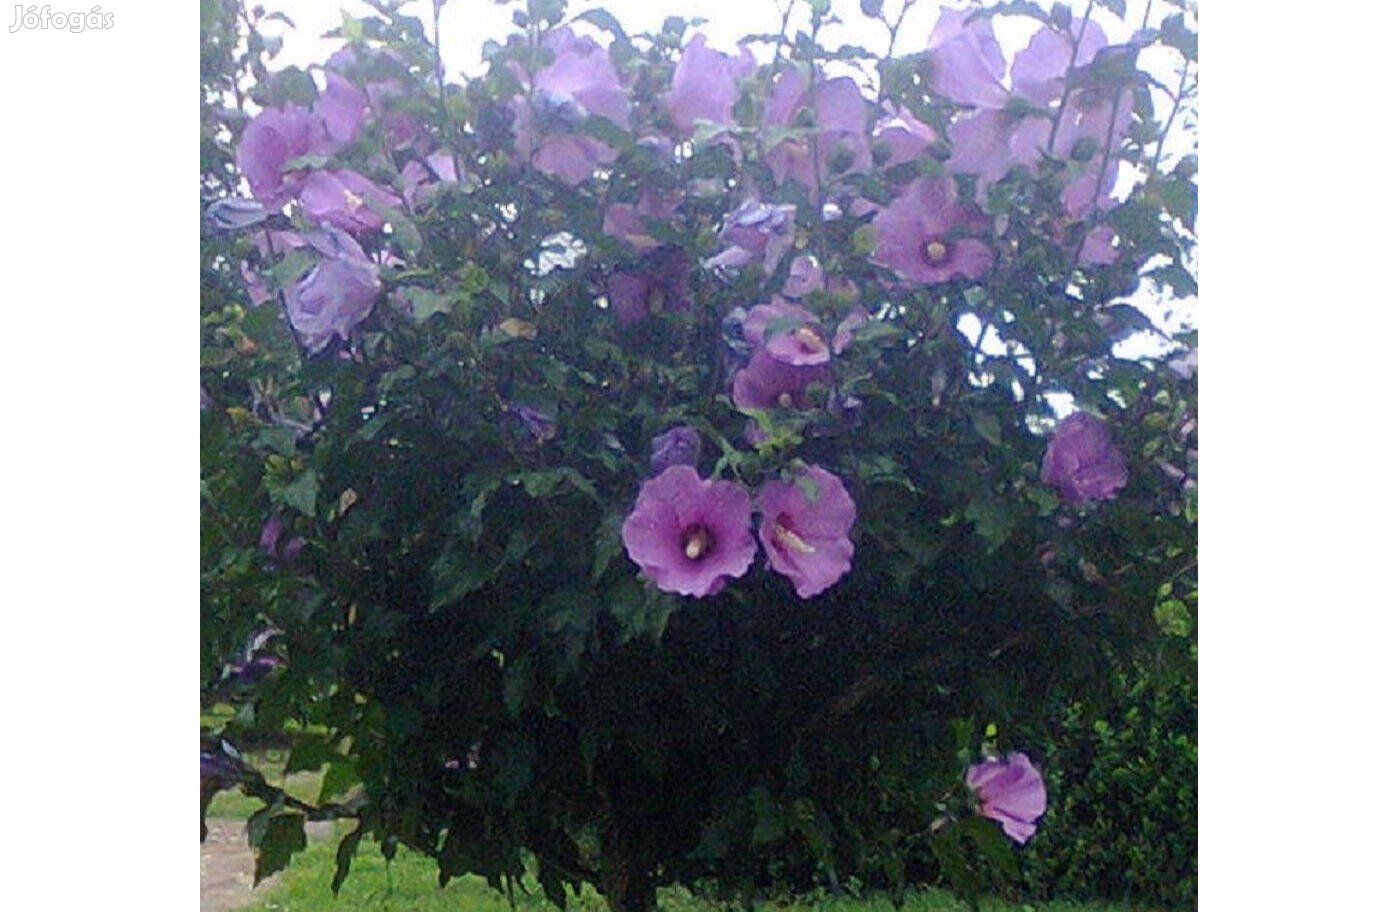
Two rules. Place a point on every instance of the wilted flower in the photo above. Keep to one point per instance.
(1081, 461)
(705, 85)
(346, 199)
(660, 283)
(920, 235)
(270, 140)
(805, 529)
(756, 231)
(677, 446)
(234, 214)
(688, 535)
(336, 295)
(271, 543)
(1010, 792)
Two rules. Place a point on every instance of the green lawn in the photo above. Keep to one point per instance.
(409, 884)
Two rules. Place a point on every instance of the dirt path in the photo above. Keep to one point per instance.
(226, 866)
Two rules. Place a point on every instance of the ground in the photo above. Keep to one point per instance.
(226, 866)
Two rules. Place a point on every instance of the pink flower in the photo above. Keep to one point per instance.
(1010, 792)
(688, 535)
(806, 529)
(787, 332)
(1081, 461)
(921, 235)
(705, 85)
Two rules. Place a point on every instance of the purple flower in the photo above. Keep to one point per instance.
(270, 140)
(805, 529)
(905, 135)
(989, 142)
(336, 295)
(579, 83)
(845, 329)
(677, 446)
(270, 541)
(839, 111)
(220, 766)
(1010, 792)
(624, 221)
(235, 214)
(420, 179)
(756, 231)
(919, 235)
(787, 332)
(688, 535)
(1039, 70)
(1081, 461)
(705, 85)
(660, 283)
(346, 199)
(766, 382)
(967, 63)
(341, 109)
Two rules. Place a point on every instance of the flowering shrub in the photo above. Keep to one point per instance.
(505, 382)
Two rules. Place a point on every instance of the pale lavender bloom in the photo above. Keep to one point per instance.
(906, 137)
(688, 535)
(805, 529)
(1097, 247)
(678, 446)
(787, 332)
(341, 108)
(421, 179)
(1081, 461)
(989, 142)
(967, 63)
(660, 283)
(919, 235)
(705, 85)
(1039, 70)
(1010, 792)
(270, 140)
(581, 81)
(1086, 119)
(842, 139)
(756, 231)
(346, 199)
(336, 295)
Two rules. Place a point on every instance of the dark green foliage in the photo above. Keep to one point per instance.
(1122, 794)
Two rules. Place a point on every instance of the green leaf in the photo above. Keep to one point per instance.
(992, 520)
(988, 427)
(301, 493)
(1173, 617)
(274, 840)
(424, 302)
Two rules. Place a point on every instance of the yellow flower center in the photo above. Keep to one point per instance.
(698, 541)
(785, 400)
(352, 201)
(791, 540)
(936, 251)
(808, 340)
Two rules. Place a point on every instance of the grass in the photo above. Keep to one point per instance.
(409, 884)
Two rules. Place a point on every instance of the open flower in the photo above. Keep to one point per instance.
(689, 535)
(270, 140)
(705, 85)
(756, 231)
(806, 529)
(788, 332)
(921, 235)
(838, 111)
(336, 295)
(346, 199)
(1010, 792)
(1081, 461)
